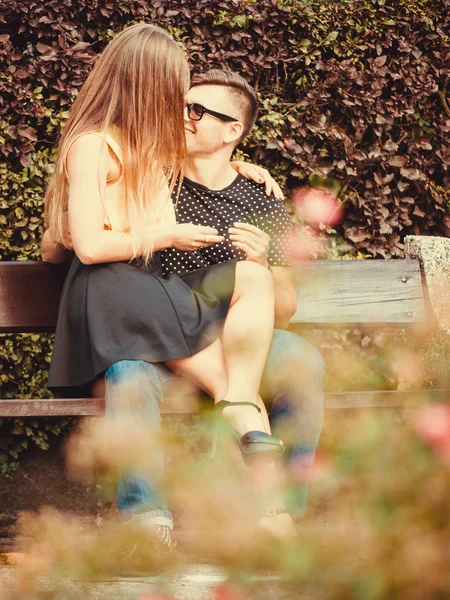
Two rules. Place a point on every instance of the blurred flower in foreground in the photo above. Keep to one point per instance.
(316, 206)
(155, 596)
(407, 368)
(433, 425)
(380, 522)
(303, 244)
(103, 446)
(303, 469)
(62, 547)
(227, 592)
(11, 558)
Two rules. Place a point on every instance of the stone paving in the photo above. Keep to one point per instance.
(193, 583)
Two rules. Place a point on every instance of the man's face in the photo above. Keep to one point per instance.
(210, 134)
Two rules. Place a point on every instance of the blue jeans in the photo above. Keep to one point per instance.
(137, 497)
(292, 387)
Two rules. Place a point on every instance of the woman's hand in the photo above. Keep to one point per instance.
(260, 175)
(189, 237)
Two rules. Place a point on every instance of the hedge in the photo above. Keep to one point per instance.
(353, 90)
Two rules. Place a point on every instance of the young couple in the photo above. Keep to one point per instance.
(196, 285)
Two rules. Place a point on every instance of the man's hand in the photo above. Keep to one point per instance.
(189, 237)
(253, 241)
(53, 252)
(67, 238)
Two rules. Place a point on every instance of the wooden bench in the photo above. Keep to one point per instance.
(330, 294)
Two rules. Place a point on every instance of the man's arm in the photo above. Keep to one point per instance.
(285, 296)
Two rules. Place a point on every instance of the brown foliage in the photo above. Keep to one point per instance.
(355, 90)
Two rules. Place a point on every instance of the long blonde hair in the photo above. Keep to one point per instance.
(138, 84)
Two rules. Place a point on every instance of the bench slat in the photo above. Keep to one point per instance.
(359, 291)
(29, 296)
(329, 292)
(335, 400)
(57, 407)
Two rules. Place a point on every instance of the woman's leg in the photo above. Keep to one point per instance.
(231, 368)
(248, 330)
(207, 371)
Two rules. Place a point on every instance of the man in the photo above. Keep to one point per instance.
(221, 110)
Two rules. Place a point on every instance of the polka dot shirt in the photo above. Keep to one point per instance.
(242, 201)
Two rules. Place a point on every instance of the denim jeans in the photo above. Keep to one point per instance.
(137, 497)
(292, 387)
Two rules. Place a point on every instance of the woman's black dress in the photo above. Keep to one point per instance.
(125, 311)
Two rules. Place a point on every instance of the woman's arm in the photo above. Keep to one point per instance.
(260, 175)
(54, 252)
(87, 165)
(185, 236)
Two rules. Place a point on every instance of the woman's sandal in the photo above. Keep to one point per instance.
(251, 443)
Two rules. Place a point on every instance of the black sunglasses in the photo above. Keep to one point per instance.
(196, 112)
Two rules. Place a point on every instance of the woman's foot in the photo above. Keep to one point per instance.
(245, 417)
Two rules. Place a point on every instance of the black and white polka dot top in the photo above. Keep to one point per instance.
(243, 201)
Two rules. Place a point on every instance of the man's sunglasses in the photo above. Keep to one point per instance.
(196, 112)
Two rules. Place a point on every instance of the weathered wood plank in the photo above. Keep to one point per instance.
(29, 296)
(362, 291)
(343, 291)
(57, 407)
(384, 399)
(87, 407)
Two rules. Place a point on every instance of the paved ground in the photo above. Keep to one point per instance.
(194, 583)
(42, 481)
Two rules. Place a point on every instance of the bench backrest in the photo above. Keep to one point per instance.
(329, 292)
(359, 291)
(29, 296)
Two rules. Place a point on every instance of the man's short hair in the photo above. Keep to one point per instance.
(242, 93)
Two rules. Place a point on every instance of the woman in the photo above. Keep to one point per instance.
(120, 154)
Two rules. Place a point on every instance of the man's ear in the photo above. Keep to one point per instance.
(233, 133)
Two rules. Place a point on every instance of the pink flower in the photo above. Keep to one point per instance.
(155, 596)
(302, 244)
(305, 468)
(228, 592)
(433, 425)
(316, 206)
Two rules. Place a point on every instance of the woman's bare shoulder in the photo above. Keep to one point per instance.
(90, 141)
(87, 151)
